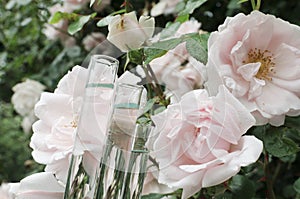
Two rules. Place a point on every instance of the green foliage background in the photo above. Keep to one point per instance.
(25, 52)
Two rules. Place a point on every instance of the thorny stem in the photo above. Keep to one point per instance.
(155, 86)
(277, 170)
(127, 6)
(153, 161)
(159, 91)
(60, 30)
(269, 181)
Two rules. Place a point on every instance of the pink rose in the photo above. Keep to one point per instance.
(183, 79)
(54, 133)
(257, 57)
(127, 33)
(151, 184)
(177, 70)
(200, 141)
(190, 26)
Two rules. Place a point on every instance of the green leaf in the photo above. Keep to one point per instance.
(62, 15)
(26, 21)
(297, 185)
(242, 186)
(277, 144)
(153, 196)
(10, 4)
(197, 47)
(118, 12)
(149, 105)
(182, 18)
(24, 2)
(126, 106)
(56, 17)
(288, 191)
(292, 122)
(288, 158)
(143, 120)
(190, 6)
(152, 53)
(74, 51)
(105, 21)
(79, 23)
(136, 56)
(160, 48)
(159, 110)
(242, 1)
(258, 131)
(168, 44)
(179, 6)
(169, 30)
(225, 195)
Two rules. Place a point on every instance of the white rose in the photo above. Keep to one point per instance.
(127, 33)
(27, 122)
(26, 94)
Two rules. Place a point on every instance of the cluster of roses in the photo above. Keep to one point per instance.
(252, 77)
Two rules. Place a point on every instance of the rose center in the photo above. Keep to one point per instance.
(74, 124)
(121, 24)
(266, 60)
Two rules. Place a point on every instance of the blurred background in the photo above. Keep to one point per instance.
(31, 49)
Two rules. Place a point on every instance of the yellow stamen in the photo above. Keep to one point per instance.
(266, 60)
(121, 24)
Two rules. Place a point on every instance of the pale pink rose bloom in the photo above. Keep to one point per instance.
(151, 184)
(191, 26)
(127, 33)
(184, 78)
(53, 138)
(36, 186)
(175, 57)
(257, 57)
(200, 141)
(54, 134)
(92, 40)
(164, 7)
(172, 70)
